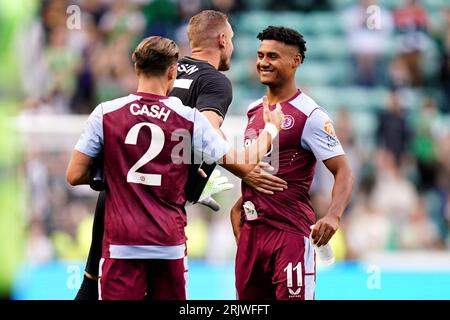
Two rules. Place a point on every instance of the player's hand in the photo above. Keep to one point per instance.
(262, 181)
(275, 117)
(324, 229)
(210, 203)
(216, 184)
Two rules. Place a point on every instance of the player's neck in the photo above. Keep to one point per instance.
(281, 93)
(153, 85)
(212, 57)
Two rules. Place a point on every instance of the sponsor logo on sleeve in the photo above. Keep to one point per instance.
(331, 135)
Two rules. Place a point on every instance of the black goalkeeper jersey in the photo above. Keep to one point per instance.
(200, 85)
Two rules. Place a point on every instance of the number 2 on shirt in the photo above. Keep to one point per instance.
(155, 147)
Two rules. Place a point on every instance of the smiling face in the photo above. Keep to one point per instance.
(277, 62)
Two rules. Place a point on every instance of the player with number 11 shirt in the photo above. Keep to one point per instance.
(275, 257)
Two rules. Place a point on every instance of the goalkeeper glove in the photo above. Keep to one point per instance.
(216, 184)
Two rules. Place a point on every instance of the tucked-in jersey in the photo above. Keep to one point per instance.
(146, 140)
(200, 85)
(307, 135)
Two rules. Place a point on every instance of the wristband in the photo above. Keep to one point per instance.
(271, 129)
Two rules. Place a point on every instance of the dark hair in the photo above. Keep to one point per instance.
(285, 35)
(154, 55)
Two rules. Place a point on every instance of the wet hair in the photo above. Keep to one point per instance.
(204, 26)
(285, 35)
(154, 55)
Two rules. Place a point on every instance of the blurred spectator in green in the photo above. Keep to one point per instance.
(161, 16)
(423, 143)
(122, 17)
(411, 25)
(393, 133)
(368, 35)
(113, 71)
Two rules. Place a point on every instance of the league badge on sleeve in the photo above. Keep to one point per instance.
(331, 134)
(328, 127)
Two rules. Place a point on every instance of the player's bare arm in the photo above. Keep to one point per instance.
(216, 122)
(235, 216)
(215, 119)
(326, 227)
(78, 170)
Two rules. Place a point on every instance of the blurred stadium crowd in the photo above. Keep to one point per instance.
(382, 71)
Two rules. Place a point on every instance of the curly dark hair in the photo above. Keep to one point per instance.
(285, 35)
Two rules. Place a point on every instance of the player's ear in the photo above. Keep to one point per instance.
(172, 72)
(136, 69)
(171, 77)
(297, 60)
(222, 40)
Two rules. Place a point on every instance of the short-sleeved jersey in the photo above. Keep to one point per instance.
(145, 138)
(307, 135)
(200, 85)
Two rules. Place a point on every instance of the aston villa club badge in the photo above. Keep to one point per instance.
(288, 122)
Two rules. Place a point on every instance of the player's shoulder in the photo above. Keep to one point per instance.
(173, 102)
(254, 104)
(178, 107)
(305, 104)
(212, 75)
(115, 104)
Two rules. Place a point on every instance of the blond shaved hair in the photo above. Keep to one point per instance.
(205, 26)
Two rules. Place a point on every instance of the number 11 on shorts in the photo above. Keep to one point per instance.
(289, 272)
